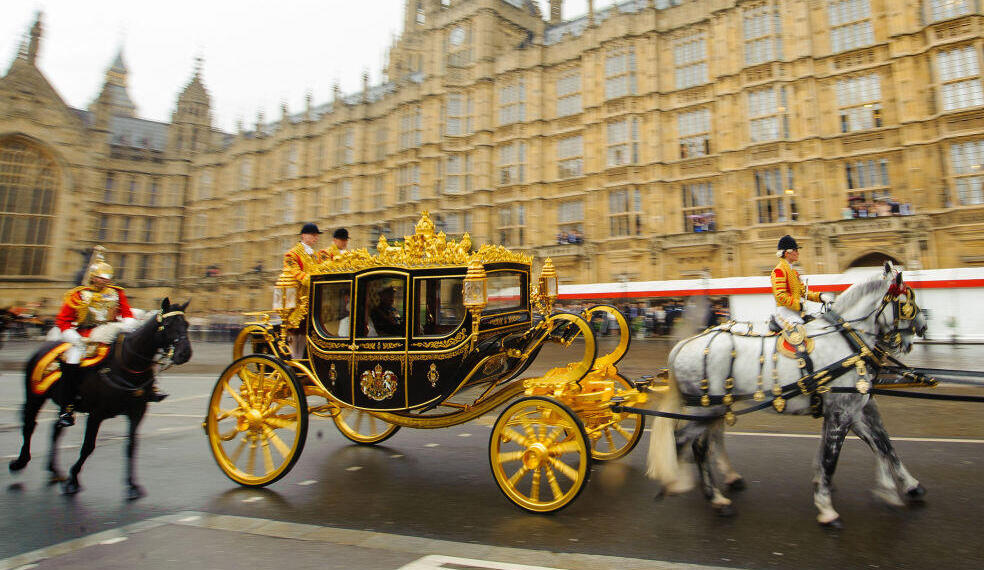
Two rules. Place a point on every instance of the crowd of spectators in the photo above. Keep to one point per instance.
(648, 318)
(570, 238)
(858, 207)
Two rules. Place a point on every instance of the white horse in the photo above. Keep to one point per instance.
(877, 311)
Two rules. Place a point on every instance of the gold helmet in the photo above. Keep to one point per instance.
(101, 269)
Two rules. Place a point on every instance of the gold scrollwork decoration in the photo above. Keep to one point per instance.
(424, 248)
(332, 373)
(445, 343)
(379, 384)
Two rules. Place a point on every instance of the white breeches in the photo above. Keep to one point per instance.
(73, 355)
(787, 315)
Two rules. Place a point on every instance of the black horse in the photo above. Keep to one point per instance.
(120, 384)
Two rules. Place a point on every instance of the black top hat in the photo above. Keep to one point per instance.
(310, 228)
(787, 242)
(340, 233)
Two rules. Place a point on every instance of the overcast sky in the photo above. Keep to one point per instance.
(257, 53)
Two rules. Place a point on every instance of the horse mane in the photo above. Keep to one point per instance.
(858, 291)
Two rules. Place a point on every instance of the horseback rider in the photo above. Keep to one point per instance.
(787, 287)
(86, 307)
(299, 261)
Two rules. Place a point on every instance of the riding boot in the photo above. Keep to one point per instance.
(156, 395)
(69, 382)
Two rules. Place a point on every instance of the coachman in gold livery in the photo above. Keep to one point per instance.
(427, 332)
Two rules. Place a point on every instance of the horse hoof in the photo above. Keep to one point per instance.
(18, 464)
(725, 511)
(737, 485)
(57, 478)
(917, 493)
(71, 488)
(135, 492)
(835, 524)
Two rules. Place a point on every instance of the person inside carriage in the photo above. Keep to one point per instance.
(385, 318)
(787, 288)
(86, 307)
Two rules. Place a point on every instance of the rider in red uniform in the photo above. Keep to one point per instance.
(84, 309)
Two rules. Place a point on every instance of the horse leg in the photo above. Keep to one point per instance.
(32, 405)
(719, 453)
(834, 431)
(56, 475)
(88, 444)
(891, 474)
(720, 503)
(134, 491)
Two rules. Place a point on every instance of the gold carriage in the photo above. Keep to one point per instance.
(428, 333)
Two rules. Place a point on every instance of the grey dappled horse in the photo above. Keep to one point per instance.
(871, 308)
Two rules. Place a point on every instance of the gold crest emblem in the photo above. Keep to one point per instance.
(332, 373)
(377, 384)
(432, 375)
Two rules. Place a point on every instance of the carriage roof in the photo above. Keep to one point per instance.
(421, 250)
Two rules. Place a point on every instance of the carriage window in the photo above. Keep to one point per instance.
(505, 290)
(381, 308)
(333, 314)
(439, 306)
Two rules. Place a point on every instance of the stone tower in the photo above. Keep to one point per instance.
(191, 122)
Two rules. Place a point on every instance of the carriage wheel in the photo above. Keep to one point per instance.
(250, 340)
(257, 420)
(362, 427)
(539, 455)
(617, 440)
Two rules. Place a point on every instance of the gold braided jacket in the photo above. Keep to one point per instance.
(788, 289)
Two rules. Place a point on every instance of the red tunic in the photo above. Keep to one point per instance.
(87, 307)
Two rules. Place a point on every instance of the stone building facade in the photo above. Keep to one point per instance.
(674, 138)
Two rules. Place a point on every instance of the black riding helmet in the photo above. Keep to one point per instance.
(787, 242)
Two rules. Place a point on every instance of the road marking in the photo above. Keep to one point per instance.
(353, 468)
(185, 398)
(252, 499)
(176, 429)
(113, 540)
(189, 519)
(308, 482)
(432, 444)
(817, 436)
(464, 435)
(394, 456)
(436, 562)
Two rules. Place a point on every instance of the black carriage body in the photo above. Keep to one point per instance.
(423, 357)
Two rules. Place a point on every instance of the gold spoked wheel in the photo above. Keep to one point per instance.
(257, 420)
(362, 427)
(617, 439)
(539, 456)
(250, 340)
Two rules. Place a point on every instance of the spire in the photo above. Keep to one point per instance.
(365, 86)
(114, 98)
(555, 12)
(308, 101)
(591, 13)
(35, 42)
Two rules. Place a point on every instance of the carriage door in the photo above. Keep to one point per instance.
(380, 341)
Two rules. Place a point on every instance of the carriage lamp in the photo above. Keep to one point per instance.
(284, 301)
(547, 288)
(476, 293)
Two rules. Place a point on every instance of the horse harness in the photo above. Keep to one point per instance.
(120, 383)
(794, 343)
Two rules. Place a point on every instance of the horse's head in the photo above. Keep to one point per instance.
(172, 331)
(900, 318)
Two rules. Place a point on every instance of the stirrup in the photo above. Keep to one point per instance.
(156, 395)
(67, 417)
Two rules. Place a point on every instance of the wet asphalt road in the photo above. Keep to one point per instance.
(409, 486)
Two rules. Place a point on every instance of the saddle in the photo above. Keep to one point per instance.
(47, 369)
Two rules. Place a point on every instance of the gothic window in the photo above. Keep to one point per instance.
(698, 207)
(850, 24)
(458, 107)
(512, 163)
(967, 169)
(570, 156)
(690, 60)
(624, 212)
(867, 180)
(512, 102)
(859, 102)
(694, 130)
(763, 34)
(569, 93)
(775, 198)
(570, 217)
(623, 142)
(512, 225)
(458, 173)
(408, 183)
(939, 10)
(620, 72)
(766, 114)
(959, 77)
(109, 191)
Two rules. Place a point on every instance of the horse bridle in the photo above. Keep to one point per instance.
(168, 349)
(902, 310)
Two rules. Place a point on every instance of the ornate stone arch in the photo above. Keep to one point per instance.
(31, 181)
(872, 258)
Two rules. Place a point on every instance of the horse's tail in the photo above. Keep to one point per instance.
(662, 462)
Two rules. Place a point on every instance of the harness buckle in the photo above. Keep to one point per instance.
(823, 389)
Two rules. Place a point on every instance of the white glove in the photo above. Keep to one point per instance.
(129, 324)
(827, 297)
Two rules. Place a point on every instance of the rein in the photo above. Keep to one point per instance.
(151, 361)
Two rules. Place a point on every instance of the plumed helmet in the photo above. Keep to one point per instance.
(787, 242)
(101, 269)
